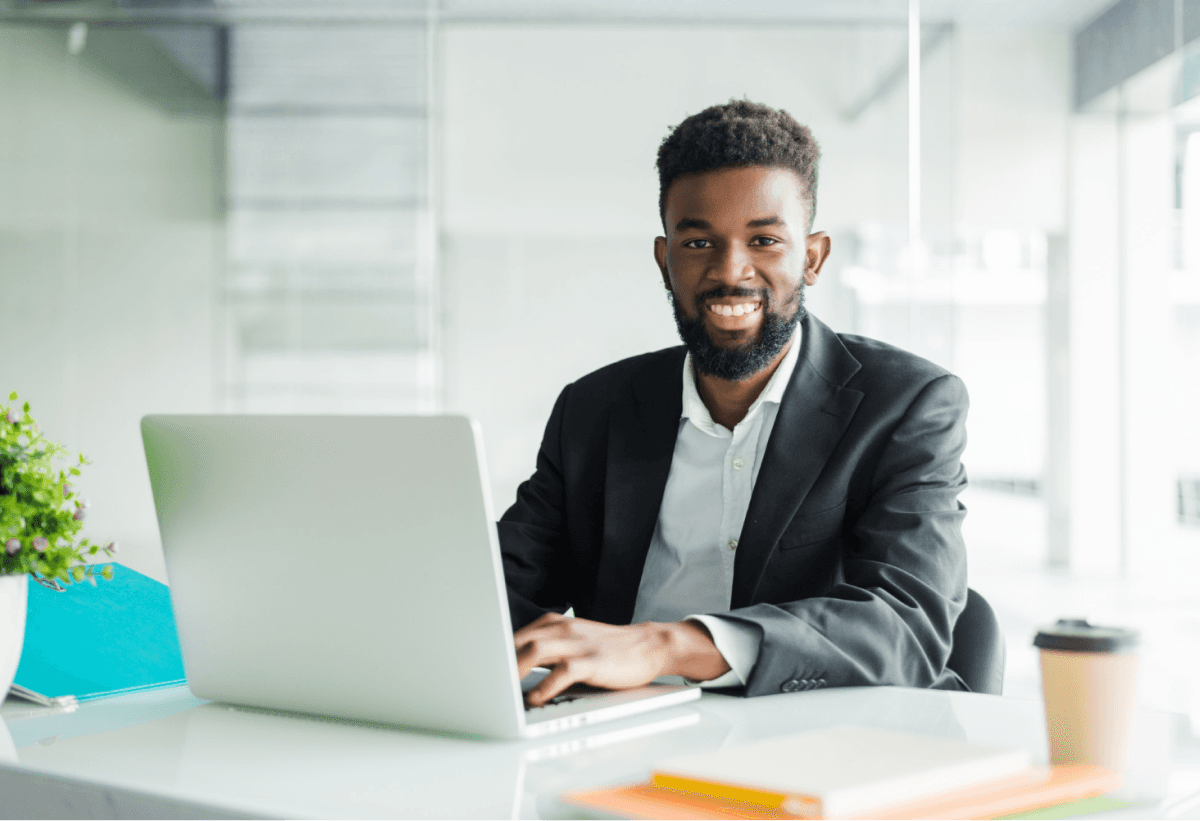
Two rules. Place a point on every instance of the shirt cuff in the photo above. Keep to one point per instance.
(738, 643)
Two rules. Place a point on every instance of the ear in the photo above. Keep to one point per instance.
(817, 247)
(660, 257)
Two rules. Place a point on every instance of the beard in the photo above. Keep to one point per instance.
(743, 361)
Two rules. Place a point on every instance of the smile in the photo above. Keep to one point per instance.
(740, 309)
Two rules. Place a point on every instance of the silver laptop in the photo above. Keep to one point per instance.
(349, 567)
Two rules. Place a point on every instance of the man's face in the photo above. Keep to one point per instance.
(736, 258)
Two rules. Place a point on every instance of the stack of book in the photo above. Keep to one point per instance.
(852, 772)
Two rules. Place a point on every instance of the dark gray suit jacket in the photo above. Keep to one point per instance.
(851, 563)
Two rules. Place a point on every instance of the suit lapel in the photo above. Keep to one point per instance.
(814, 413)
(641, 443)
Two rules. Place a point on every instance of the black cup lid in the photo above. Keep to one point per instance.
(1077, 635)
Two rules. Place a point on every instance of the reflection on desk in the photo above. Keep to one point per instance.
(168, 753)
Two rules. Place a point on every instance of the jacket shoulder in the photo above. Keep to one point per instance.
(653, 366)
(881, 361)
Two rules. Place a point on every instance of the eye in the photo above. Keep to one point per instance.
(764, 241)
(697, 243)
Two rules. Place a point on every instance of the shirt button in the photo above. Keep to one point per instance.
(733, 544)
(739, 463)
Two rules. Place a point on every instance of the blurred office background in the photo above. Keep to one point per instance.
(310, 206)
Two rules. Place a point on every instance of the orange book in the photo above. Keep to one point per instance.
(1036, 788)
(839, 771)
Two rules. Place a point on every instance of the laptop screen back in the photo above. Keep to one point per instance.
(343, 566)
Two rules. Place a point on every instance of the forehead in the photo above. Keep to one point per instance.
(733, 193)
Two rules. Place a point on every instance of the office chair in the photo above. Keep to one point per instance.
(977, 654)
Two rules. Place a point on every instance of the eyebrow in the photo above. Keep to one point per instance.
(703, 225)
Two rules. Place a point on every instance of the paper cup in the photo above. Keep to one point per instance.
(1089, 677)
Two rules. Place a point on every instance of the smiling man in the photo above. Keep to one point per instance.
(772, 506)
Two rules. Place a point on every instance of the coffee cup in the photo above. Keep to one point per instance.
(1089, 675)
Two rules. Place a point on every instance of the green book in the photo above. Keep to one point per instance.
(88, 642)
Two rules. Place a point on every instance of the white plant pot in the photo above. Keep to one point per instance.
(14, 589)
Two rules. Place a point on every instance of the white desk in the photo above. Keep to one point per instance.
(166, 754)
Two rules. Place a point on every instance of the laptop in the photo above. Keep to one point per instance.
(349, 567)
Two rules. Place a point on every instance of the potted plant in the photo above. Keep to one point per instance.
(41, 515)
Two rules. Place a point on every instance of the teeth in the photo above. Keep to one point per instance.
(734, 310)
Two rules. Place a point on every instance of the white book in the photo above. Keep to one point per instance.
(840, 772)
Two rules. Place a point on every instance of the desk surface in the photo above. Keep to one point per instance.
(168, 754)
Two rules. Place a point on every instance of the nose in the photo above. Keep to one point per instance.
(733, 265)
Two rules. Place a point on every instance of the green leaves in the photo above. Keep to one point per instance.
(37, 502)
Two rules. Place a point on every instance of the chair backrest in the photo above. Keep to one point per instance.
(978, 651)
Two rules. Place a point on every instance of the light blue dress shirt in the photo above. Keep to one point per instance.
(689, 567)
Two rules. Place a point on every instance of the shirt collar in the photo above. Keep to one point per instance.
(695, 411)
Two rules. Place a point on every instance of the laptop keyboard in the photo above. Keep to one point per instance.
(562, 698)
(572, 693)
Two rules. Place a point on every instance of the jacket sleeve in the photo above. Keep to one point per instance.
(889, 615)
(532, 532)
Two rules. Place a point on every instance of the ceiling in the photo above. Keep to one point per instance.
(1054, 15)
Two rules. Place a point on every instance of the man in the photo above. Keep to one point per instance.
(772, 505)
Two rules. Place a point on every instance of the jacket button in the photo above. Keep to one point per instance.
(791, 685)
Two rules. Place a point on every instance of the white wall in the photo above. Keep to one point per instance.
(108, 243)
(1014, 91)
(1121, 448)
(1013, 110)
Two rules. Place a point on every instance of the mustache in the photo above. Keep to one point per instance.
(763, 295)
(724, 291)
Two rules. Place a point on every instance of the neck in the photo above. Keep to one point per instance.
(728, 402)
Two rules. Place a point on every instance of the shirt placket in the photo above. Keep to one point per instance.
(736, 482)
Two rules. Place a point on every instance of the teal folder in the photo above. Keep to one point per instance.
(91, 642)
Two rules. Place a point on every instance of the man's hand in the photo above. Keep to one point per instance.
(611, 656)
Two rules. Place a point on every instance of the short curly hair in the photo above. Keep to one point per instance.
(739, 133)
